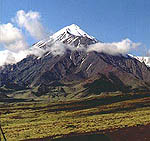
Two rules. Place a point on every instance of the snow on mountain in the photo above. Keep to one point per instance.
(71, 35)
(71, 30)
(146, 60)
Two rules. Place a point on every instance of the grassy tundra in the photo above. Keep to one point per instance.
(32, 120)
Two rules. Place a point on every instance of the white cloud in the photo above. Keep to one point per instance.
(11, 37)
(114, 48)
(31, 22)
(16, 46)
(59, 48)
(9, 57)
(9, 33)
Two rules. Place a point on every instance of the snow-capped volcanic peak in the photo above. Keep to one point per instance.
(73, 30)
(71, 35)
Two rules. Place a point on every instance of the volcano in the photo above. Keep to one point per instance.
(75, 71)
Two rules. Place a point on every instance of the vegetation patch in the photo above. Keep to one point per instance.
(32, 120)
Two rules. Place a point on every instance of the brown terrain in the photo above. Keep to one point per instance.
(136, 133)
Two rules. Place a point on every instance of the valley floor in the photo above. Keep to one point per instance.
(115, 117)
(135, 133)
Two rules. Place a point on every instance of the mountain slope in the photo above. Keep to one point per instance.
(76, 67)
(146, 60)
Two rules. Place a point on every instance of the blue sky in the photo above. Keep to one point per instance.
(107, 20)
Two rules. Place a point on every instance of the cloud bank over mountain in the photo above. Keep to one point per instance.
(115, 48)
(12, 38)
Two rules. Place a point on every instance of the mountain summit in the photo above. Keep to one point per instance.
(70, 35)
(77, 72)
(71, 30)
